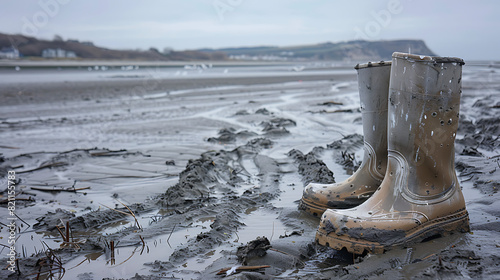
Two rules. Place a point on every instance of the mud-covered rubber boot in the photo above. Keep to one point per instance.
(420, 196)
(373, 83)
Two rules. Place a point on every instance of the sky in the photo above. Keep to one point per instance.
(460, 28)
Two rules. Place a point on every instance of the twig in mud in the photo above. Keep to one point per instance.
(48, 165)
(19, 271)
(327, 103)
(79, 263)
(131, 255)
(66, 238)
(52, 262)
(428, 256)
(61, 233)
(155, 218)
(70, 189)
(242, 268)
(339, 111)
(112, 243)
(17, 199)
(143, 244)
(124, 213)
(131, 213)
(470, 173)
(22, 220)
(9, 147)
(67, 231)
(272, 234)
(170, 236)
(24, 250)
(468, 179)
(237, 237)
(107, 153)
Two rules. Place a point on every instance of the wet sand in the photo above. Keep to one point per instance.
(209, 160)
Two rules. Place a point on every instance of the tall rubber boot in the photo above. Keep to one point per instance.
(420, 196)
(373, 83)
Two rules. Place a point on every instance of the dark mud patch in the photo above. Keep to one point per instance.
(263, 111)
(278, 256)
(59, 161)
(480, 134)
(254, 249)
(384, 237)
(230, 135)
(483, 172)
(214, 172)
(315, 170)
(311, 168)
(100, 219)
(458, 263)
(50, 220)
(211, 185)
(345, 149)
(349, 143)
(277, 126)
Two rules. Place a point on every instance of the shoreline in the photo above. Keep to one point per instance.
(137, 85)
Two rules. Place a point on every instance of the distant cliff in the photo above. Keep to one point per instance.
(352, 50)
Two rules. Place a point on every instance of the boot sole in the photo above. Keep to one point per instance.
(317, 210)
(312, 208)
(458, 222)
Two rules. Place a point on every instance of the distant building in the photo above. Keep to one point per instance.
(87, 43)
(49, 53)
(71, 54)
(58, 53)
(9, 52)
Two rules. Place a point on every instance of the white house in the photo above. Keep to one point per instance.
(58, 53)
(9, 52)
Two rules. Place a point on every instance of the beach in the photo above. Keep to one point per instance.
(180, 171)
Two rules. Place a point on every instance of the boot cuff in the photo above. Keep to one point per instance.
(425, 58)
(372, 64)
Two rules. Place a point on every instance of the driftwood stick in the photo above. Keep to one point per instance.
(59, 190)
(48, 165)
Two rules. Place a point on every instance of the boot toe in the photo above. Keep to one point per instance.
(315, 198)
(359, 232)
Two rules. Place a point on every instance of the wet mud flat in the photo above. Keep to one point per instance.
(201, 180)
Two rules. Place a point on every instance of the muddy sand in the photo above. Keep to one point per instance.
(184, 173)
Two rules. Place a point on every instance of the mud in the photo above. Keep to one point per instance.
(190, 176)
(311, 168)
(384, 237)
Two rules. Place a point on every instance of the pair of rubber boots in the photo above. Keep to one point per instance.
(406, 189)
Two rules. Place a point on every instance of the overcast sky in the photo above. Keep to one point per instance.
(466, 29)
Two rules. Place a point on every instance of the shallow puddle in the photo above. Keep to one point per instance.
(131, 259)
